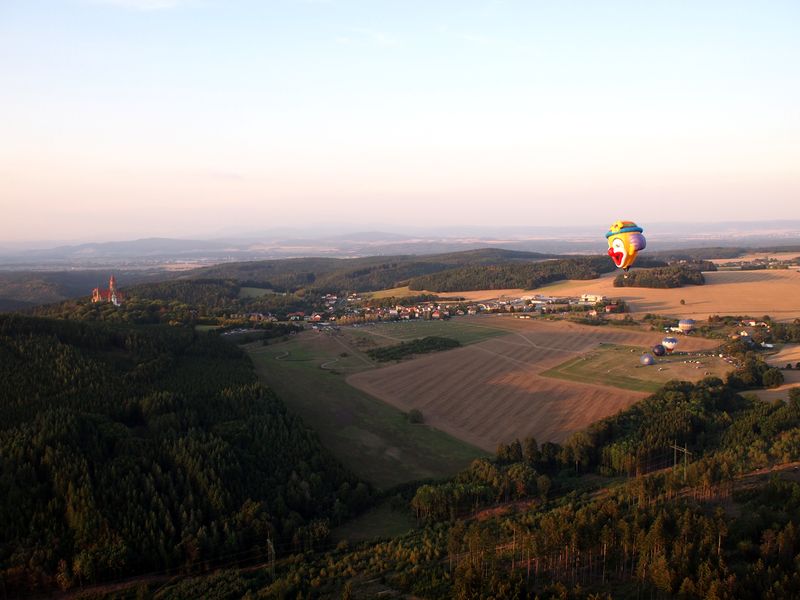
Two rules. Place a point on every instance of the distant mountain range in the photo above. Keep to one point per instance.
(277, 244)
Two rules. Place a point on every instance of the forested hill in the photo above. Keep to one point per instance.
(357, 274)
(130, 450)
(518, 275)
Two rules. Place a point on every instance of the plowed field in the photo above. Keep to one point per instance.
(494, 391)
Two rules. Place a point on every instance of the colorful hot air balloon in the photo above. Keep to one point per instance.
(669, 343)
(647, 360)
(625, 240)
(659, 350)
(686, 325)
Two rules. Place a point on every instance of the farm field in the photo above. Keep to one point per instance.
(386, 334)
(788, 353)
(756, 293)
(493, 391)
(756, 255)
(791, 380)
(373, 439)
(619, 366)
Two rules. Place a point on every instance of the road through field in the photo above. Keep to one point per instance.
(493, 391)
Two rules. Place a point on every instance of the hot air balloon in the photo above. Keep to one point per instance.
(669, 343)
(647, 360)
(659, 350)
(625, 240)
(686, 325)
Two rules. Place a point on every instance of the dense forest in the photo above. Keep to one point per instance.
(126, 450)
(520, 275)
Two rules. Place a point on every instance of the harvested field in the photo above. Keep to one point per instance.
(756, 256)
(789, 353)
(493, 391)
(755, 293)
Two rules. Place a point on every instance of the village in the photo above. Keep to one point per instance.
(355, 309)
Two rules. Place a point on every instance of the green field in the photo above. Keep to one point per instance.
(404, 331)
(398, 292)
(619, 366)
(254, 292)
(373, 439)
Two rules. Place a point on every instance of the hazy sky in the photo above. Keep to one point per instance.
(138, 118)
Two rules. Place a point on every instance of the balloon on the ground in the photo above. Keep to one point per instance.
(686, 325)
(669, 343)
(625, 240)
(659, 350)
(647, 360)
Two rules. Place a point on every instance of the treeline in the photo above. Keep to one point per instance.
(518, 275)
(424, 345)
(129, 450)
(664, 277)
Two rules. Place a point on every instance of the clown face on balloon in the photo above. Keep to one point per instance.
(625, 239)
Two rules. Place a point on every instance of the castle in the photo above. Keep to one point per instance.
(110, 295)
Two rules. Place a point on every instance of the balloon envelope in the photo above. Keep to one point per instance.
(659, 350)
(625, 240)
(669, 343)
(686, 325)
(647, 360)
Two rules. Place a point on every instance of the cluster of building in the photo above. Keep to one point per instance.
(352, 310)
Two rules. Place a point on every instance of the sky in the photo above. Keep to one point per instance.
(122, 119)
